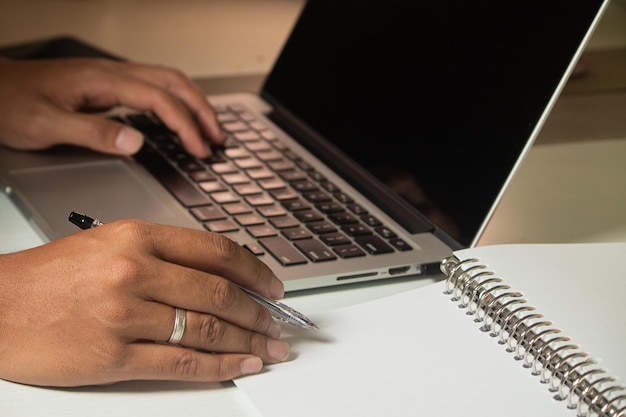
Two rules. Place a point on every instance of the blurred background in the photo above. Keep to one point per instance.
(204, 38)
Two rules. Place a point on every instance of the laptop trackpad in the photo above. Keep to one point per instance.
(107, 189)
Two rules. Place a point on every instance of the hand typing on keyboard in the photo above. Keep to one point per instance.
(47, 102)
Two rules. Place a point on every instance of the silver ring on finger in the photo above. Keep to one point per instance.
(179, 326)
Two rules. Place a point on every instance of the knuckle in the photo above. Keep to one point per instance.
(186, 364)
(252, 344)
(114, 354)
(211, 330)
(223, 295)
(221, 369)
(130, 229)
(116, 314)
(224, 250)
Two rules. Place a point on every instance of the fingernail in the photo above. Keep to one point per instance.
(128, 140)
(251, 366)
(277, 289)
(278, 349)
(274, 331)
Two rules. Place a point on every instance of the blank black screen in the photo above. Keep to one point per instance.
(436, 99)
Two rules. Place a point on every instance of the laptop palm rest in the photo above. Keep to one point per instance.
(94, 185)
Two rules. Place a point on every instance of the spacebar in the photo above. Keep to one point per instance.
(282, 250)
(171, 179)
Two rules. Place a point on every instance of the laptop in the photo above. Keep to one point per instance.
(381, 141)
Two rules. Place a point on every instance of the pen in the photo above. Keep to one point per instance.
(278, 310)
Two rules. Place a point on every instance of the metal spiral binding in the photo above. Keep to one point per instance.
(563, 366)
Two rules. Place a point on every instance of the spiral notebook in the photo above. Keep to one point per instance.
(470, 345)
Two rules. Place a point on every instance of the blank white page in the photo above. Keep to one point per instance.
(417, 353)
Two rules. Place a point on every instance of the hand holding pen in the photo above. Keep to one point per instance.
(277, 309)
(88, 308)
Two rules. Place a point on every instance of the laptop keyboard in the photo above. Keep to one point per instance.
(256, 183)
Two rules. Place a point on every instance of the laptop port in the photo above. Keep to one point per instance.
(399, 270)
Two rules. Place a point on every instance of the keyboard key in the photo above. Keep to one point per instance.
(249, 219)
(272, 211)
(296, 205)
(348, 251)
(296, 233)
(329, 207)
(254, 248)
(263, 230)
(237, 153)
(212, 186)
(235, 178)
(236, 126)
(258, 174)
(236, 208)
(283, 222)
(269, 155)
(385, 232)
(280, 166)
(259, 200)
(206, 213)
(248, 163)
(314, 250)
(199, 176)
(316, 196)
(247, 189)
(171, 179)
(224, 168)
(224, 197)
(371, 220)
(357, 229)
(321, 227)
(329, 186)
(343, 198)
(283, 251)
(246, 135)
(304, 186)
(400, 244)
(190, 165)
(373, 244)
(334, 239)
(343, 218)
(357, 209)
(303, 165)
(221, 226)
(308, 216)
(272, 183)
(291, 176)
(284, 194)
(257, 146)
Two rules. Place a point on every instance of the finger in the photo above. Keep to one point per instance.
(127, 90)
(150, 361)
(86, 130)
(210, 333)
(214, 253)
(189, 92)
(193, 292)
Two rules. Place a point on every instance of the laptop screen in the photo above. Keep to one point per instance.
(438, 99)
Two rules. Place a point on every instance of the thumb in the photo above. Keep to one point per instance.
(128, 140)
(101, 134)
